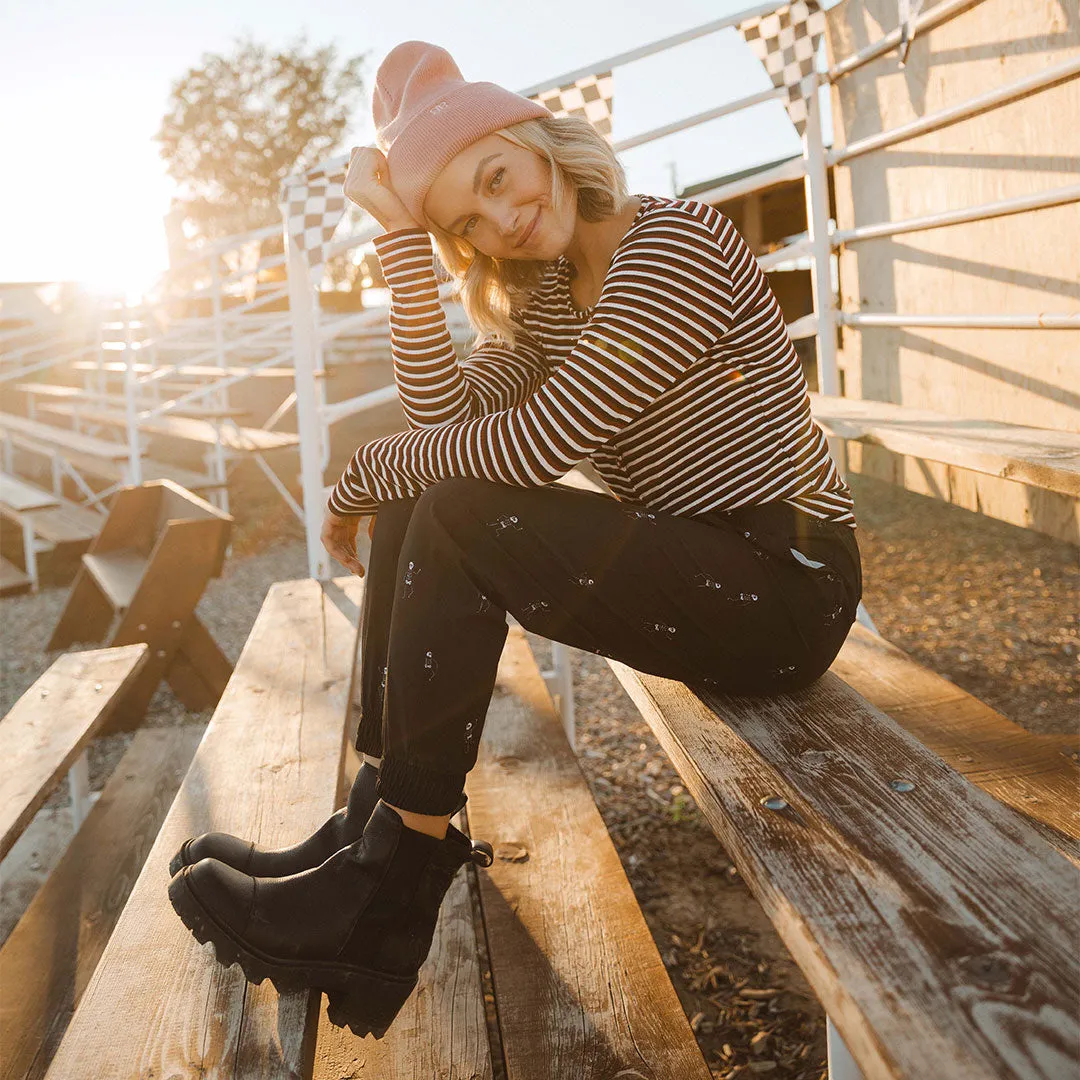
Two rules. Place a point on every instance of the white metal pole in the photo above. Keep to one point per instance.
(320, 385)
(562, 687)
(825, 307)
(79, 785)
(134, 450)
(308, 424)
(220, 399)
(817, 216)
(842, 1065)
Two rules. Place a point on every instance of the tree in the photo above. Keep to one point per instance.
(238, 124)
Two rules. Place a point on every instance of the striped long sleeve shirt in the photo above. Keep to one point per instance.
(681, 384)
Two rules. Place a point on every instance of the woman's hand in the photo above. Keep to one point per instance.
(367, 184)
(339, 538)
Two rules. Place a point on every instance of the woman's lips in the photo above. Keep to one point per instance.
(532, 228)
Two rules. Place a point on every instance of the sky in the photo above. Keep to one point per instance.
(83, 88)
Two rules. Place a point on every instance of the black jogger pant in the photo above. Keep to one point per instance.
(718, 599)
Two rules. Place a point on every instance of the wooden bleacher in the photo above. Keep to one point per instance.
(862, 887)
(239, 439)
(94, 456)
(48, 729)
(1044, 457)
(141, 581)
(918, 853)
(53, 949)
(79, 394)
(580, 987)
(190, 371)
(47, 523)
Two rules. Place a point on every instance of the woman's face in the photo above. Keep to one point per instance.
(491, 193)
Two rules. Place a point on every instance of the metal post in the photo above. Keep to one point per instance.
(841, 1064)
(308, 424)
(134, 449)
(30, 552)
(79, 785)
(320, 385)
(220, 399)
(561, 685)
(817, 217)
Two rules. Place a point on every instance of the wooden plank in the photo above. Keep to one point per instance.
(200, 671)
(115, 469)
(12, 580)
(20, 497)
(579, 984)
(69, 523)
(49, 726)
(159, 1004)
(1047, 458)
(192, 371)
(76, 393)
(1030, 773)
(51, 436)
(242, 439)
(117, 574)
(936, 926)
(54, 948)
(176, 574)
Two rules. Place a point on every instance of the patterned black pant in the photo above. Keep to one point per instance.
(718, 599)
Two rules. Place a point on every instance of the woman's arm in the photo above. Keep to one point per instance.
(667, 299)
(434, 388)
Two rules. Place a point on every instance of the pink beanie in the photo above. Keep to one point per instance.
(425, 113)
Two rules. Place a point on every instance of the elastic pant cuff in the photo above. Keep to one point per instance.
(409, 786)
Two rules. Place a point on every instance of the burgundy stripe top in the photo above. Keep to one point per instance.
(681, 385)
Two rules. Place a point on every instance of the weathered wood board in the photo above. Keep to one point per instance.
(55, 946)
(937, 927)
(159, 1004)
(1040, 456)
(580, 988)
(50, 725)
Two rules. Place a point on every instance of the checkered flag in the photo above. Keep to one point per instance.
(312, 209)
(591, 98)
(786, 41)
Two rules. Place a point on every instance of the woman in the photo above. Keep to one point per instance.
(635, 331)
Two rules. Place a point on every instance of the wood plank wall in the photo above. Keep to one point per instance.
(1020, 264)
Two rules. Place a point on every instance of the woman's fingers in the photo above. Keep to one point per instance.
(367, 184)
(338, 537)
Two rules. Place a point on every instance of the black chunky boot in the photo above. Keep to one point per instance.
(340, 829)
(358, 927)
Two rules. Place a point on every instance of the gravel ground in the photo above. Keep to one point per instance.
(991, 606)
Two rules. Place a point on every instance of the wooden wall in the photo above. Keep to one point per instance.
(1021, 264)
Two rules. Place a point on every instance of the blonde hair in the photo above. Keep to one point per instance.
(581, 159)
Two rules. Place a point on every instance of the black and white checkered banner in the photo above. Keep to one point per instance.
(590, 97)
(312, 209)
(786, 42)
(313, 206)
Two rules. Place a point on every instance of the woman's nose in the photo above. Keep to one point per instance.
(510, 224)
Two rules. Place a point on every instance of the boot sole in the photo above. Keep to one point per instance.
(364, 1001)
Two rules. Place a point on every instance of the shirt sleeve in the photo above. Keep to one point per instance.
(666, 300)
(434, 387)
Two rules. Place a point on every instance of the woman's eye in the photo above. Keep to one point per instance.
(497, 175)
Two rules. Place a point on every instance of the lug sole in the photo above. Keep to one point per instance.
(364, 1001)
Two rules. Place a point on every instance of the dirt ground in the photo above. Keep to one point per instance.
(990, 606)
